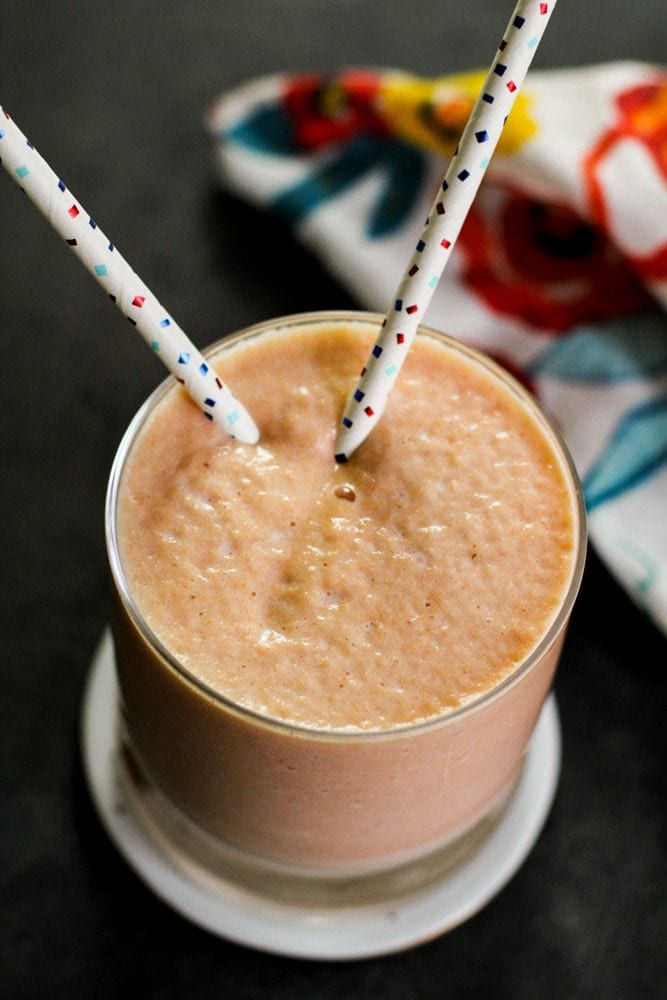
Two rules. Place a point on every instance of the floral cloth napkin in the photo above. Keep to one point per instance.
(560, 271)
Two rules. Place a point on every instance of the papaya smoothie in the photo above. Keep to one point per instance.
(336, 669)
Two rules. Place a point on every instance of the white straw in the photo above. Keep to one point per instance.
(448, 212)
(82, 234)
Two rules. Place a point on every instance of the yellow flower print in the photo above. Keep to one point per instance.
(433, 113)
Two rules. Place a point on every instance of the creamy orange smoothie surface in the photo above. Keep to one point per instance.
(364, 596)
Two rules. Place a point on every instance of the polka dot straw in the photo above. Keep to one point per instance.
(137, 303)
(444, 222)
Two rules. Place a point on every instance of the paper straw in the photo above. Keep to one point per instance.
(444, 222)
(80, 231)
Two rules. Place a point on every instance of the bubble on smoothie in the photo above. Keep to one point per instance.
(199, 501)
(260, 458)
(226, 548)
(345, 492)
(269, 637)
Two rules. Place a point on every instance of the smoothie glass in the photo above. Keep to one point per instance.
(297, 804)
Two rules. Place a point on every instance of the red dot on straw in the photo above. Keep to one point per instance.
(411, 309)
(544, 7)
(400, 338)
(138, 301)
(446, 244)
(511, 86)
(413, 270)
(73, 211)
(368, 410)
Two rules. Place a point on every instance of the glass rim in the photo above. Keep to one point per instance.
(431, 723)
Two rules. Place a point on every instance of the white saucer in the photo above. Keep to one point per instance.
(242, 914)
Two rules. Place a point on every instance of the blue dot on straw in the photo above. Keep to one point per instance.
(183, 358)
(100, 270)
(22, 172)
(165, 322)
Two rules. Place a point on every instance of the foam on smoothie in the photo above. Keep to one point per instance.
(366, 596)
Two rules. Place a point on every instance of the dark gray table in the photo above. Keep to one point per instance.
(114, 96)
